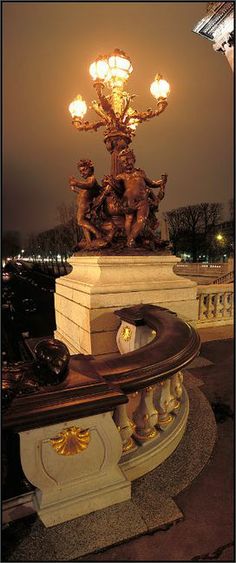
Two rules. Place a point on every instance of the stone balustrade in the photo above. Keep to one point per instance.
(226, 278)
(152, 414)
(152, 423)
(216, 304)
(200, 269)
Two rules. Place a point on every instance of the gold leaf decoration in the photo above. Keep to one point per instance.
(126, 333)
(71, 441)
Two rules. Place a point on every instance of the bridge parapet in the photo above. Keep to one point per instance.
(80, 445)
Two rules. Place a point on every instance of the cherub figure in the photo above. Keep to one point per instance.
(108, 205)
(136, 194)
(87, 189)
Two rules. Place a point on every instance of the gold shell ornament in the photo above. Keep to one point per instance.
(71, 441)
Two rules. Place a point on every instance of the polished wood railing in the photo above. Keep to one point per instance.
(94, 385)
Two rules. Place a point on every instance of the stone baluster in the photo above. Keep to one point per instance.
(217, 312)
(176, 387)
(225, 305)
(211, 305)
(221, 301)
(165, 403)
(146, 416)
(126, 428)
(220, 305)
(215, 302)
(202, 307)
(208, 306)
(229, 302)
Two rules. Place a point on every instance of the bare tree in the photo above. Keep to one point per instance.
(231, 209)
(32, 245)
(10, 243)
(184, 223)
(210, 215)
(67, 218)
(176, 227)
(191, 227)
(57, 241)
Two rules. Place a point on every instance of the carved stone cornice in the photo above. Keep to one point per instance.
(218, 26)
(219, 17)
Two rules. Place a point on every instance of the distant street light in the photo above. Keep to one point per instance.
(114, 110)
(222, 240)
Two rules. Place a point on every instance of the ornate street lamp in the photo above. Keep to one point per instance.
(114, 108)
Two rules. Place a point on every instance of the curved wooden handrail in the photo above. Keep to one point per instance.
(175, 345)
(95, 385)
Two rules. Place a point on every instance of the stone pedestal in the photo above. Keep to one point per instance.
(85, 300)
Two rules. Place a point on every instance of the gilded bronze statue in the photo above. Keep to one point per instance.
(122, 212)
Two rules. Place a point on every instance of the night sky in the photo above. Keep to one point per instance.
(47, 50)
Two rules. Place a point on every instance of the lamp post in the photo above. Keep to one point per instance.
(114, 109)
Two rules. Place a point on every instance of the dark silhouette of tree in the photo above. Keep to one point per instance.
(231, 209)
(11, 244)
(57, 241)
(67, 217)
(211, 215)
(192, 228)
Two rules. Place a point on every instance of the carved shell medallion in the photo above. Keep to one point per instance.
(71, 441)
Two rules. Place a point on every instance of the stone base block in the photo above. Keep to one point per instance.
(74, 475)
(85, 300)
(80, 504)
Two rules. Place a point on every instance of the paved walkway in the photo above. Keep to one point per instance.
(216, 333)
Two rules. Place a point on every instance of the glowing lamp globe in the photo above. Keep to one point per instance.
(120, 67)
(78, 107)
(99, 70)
(160, 88)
